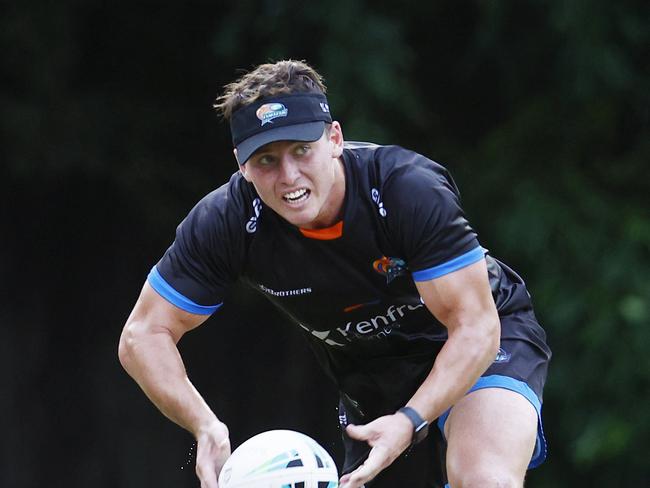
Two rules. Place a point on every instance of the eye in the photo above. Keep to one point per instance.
(265, 160)
(302, 149)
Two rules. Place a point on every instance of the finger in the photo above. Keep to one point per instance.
(209, 483)
(207, 475)
(221, 458)
(209, 462)
(377, 460)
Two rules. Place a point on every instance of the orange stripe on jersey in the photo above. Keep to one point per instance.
(326, 234)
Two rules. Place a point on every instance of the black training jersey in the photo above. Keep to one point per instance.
(350, 288)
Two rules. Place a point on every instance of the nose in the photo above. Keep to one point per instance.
(289, 170)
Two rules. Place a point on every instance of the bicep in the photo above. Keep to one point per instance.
(154, 314)
(459, 297)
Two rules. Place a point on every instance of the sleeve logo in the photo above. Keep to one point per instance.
(251, 225)
(374, 193)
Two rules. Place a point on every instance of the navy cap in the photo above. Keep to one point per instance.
(292, 117)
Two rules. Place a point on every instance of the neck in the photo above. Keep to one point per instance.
(332, 211)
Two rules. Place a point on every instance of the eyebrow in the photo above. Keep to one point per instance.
(268, 148)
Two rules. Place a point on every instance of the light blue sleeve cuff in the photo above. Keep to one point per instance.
(166, 291)
(455, 264)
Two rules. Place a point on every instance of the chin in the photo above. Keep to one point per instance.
(299, 219)
(298, 222)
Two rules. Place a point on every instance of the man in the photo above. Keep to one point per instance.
(367, 250)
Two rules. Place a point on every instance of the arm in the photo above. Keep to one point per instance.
(463, 302)
(148, 352)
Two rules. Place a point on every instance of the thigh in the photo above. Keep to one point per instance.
(490, 433)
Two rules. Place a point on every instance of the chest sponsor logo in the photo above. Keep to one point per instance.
(284, 293)
(322, 335)
(391, 268)
(378, 327)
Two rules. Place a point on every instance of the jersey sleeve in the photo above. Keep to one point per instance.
(203, 261)
(426, 221)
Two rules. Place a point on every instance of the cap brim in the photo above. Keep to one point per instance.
(310, 131)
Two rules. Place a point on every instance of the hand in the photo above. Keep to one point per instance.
(388, 436)
(212, 450)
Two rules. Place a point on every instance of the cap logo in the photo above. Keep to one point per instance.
(269, 111)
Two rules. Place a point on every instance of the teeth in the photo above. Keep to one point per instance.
(295, 195)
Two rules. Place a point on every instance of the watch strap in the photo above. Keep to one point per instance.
(420, 426)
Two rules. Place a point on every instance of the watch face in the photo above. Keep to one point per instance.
(421, 432)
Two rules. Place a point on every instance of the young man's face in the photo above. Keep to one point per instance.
(303, 182)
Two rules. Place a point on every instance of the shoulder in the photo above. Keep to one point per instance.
(232, 196)
(226, 210)
(399, 174)
(394, 161)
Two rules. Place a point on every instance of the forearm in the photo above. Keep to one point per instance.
(463, 359)
(153, 361)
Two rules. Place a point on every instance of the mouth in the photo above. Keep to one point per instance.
(297, 196)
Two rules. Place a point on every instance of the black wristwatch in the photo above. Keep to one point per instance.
(420, 426)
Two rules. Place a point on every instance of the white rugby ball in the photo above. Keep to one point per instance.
(279, 459)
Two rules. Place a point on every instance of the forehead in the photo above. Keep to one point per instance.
(279, 146)
(275, 146)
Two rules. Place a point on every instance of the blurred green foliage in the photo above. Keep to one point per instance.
(541, 110)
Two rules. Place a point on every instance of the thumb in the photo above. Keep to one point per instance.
(359, 432)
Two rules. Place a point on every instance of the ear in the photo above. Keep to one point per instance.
(242, 167)
(336, 139)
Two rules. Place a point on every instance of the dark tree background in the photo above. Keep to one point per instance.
(539, 108)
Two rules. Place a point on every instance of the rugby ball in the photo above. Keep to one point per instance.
(279, 459)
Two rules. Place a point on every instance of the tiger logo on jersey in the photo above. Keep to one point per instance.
(389, 267)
